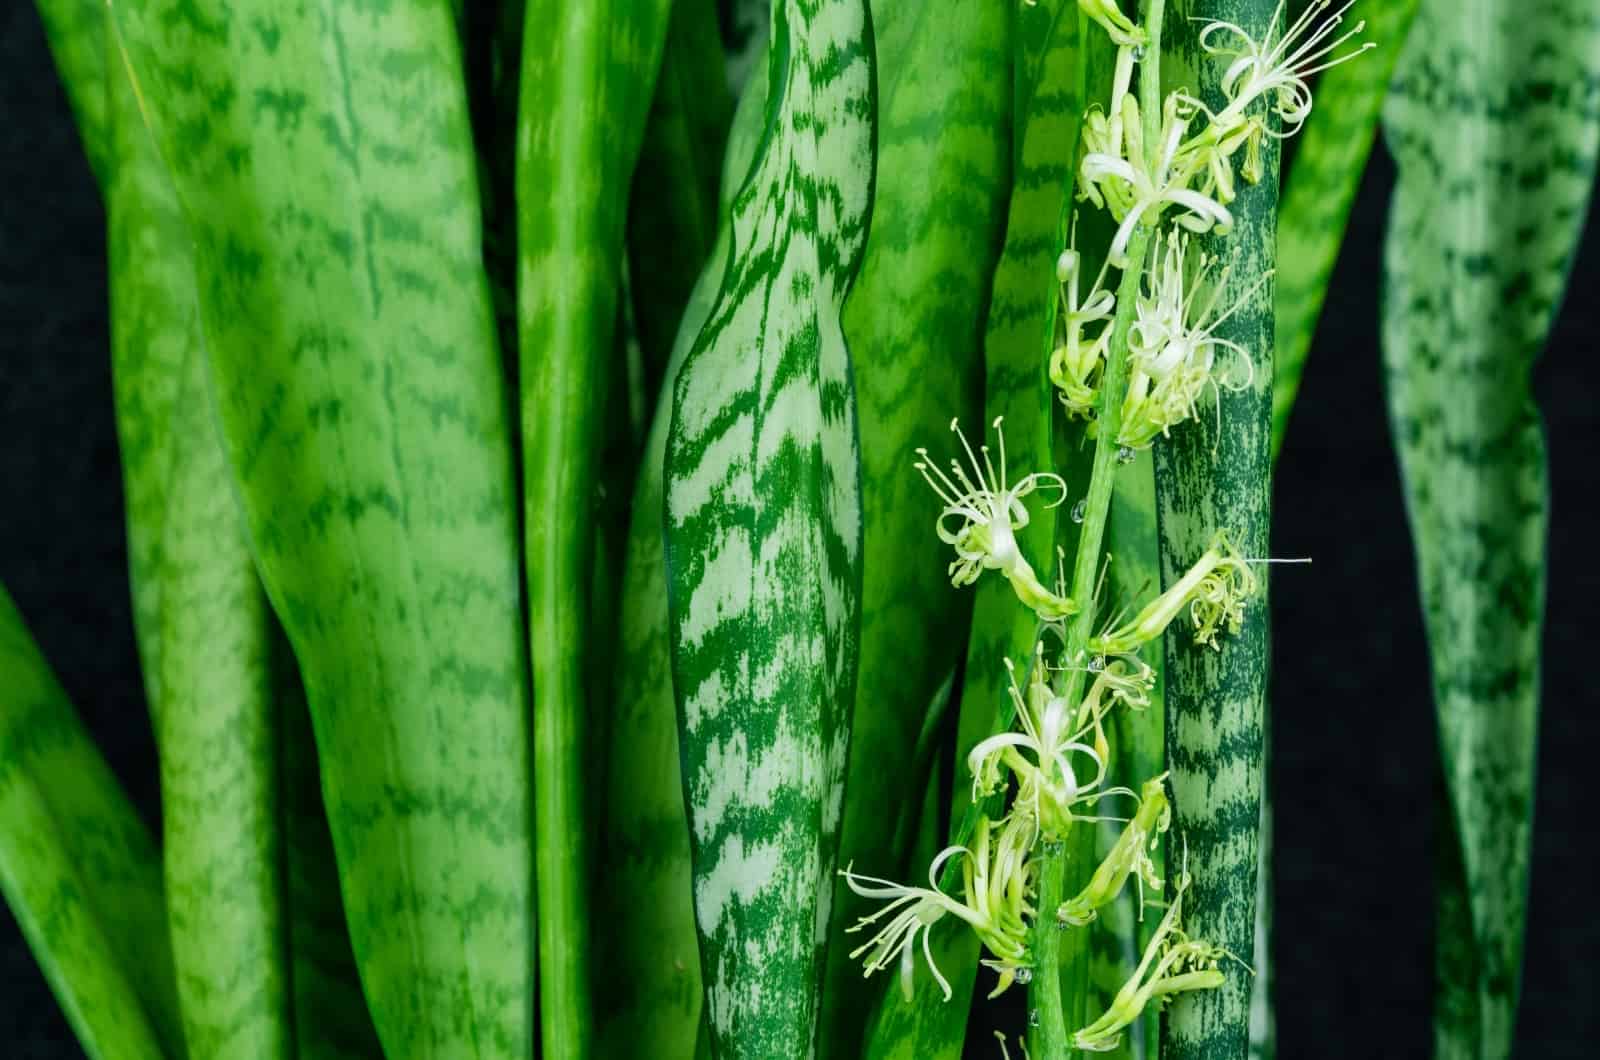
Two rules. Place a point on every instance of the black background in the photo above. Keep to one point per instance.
(1353, 759)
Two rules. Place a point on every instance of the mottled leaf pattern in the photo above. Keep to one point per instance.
(1493, 119)
(323, 161)
(1320, 189)
(78, 867)
(205, 630)
(1210, 479)
(915, 327)
(763, 531)
(643, 908)
(587, 75)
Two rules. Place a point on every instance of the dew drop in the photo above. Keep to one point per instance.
(1079, 510)
(1033, 1017)
(1125, 455)
(1138, 53)
(1024, 976)
(1097, 664)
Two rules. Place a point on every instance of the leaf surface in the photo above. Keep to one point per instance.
(1213, 474)
(78, 867)
(644, 908)
(323, 161)
(1493, 120)
(763, 532)
(588, 71)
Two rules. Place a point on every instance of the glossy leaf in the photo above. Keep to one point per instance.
(915, 327)
(323, 163)
(644, 910)
(587, 75)
(1320, 190)
(763, 532)
(1493, 120)
(1213, 474)
(78, 867)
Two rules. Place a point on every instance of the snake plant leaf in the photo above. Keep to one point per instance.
(747, 27)
(207, 651)
(644, 910)
(915, 328)
(75, 31)
(672, 213)
(353, 364)
(331, 1021)
(588, 71)
(1320, 190)
(1493, 120)
(78, 867)
(1213, 474)
(763, 535)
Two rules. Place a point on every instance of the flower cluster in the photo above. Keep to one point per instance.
(1050, 763)
(1173, 347)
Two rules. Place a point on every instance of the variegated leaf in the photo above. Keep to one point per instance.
(1494, 119)
(763, 534)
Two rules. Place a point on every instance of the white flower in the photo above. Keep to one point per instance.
(1172, 344)
(996, 880)
(1279, 68)
(1051, 731)
(1138, 189)
(1129, 856)
(982, 513)
(916, 910)
(1215, 590)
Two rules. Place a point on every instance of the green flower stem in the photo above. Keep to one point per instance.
(1049, 1039)
(1049, 1033)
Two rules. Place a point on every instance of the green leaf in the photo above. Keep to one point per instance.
(1321, 188)
(75, 30)
(672, 215)
(78, 867)
(915, 327)
(643, 910)
(763, 533)
(205, 631)
(588, 71)
(1213, 474)
(323, 162)
(331, 1021)
(1493, 120)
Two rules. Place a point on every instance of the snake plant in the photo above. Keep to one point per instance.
(612, 566)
